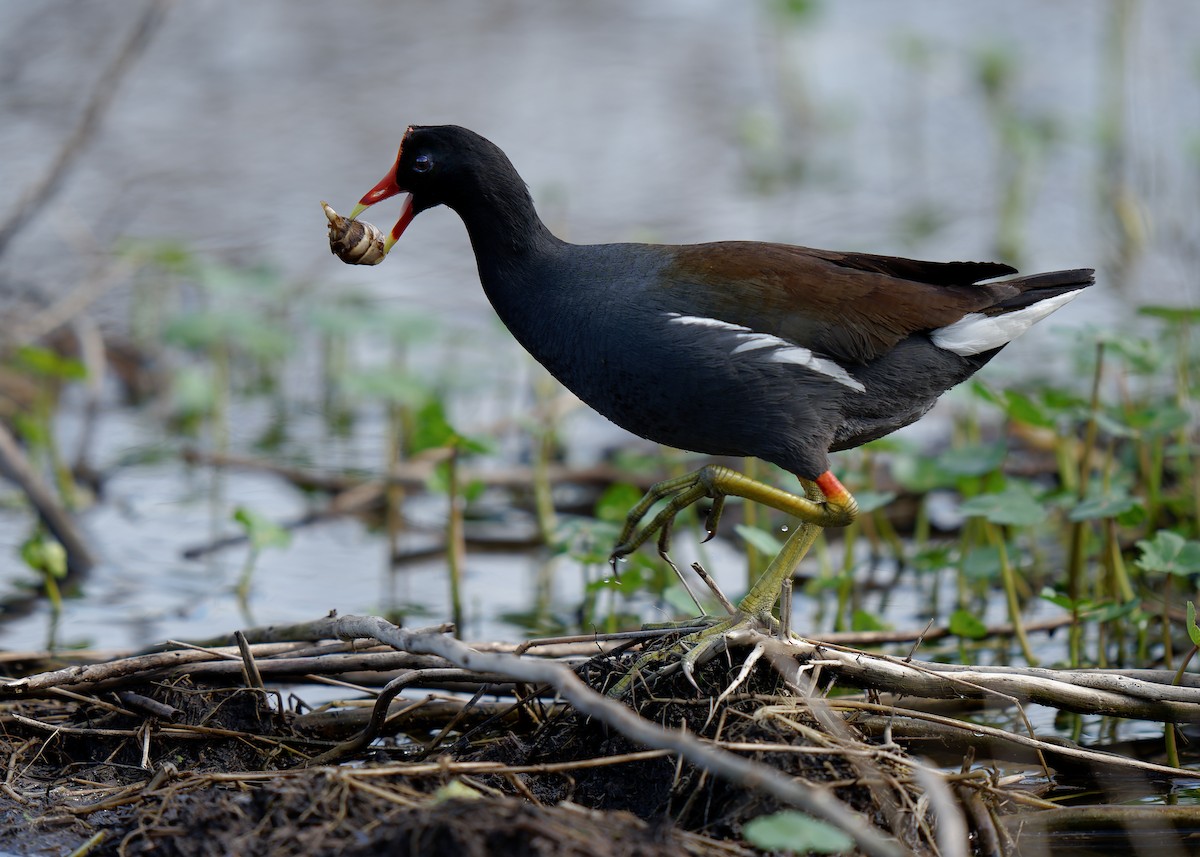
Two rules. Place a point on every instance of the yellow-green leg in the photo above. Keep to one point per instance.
(827, 503)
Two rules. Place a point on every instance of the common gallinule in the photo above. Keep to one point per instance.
(735, 348)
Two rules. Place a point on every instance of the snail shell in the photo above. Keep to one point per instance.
(355, 242)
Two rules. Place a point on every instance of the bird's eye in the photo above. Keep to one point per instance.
(422, 164)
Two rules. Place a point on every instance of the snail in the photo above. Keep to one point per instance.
(355, 242)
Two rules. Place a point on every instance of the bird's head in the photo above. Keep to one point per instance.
(437, 165)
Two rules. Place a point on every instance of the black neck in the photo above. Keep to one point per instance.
(503, 224)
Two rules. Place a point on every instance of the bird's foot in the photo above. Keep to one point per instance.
(837, 509)
(827, 504)
(693, 650)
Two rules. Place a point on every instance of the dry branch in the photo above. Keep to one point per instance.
(1094, 692)
(36, 196)
(61, 525)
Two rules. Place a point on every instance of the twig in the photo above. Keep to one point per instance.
(1092, 692)
(415, 473)
(991, 736)
(952, 836)
(1093, 818)
(35, 198)
(16, 466)
(380, 713)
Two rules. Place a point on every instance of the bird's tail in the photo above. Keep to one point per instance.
(1035, 288)
(1021, 302)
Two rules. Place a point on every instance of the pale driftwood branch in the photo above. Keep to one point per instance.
(998, 742)
(1103, 692)
(952, 835)
(810, 797)
(1089, 819)
(61, 525)
(210, 663)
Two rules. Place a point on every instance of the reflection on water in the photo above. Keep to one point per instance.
(1066, 132)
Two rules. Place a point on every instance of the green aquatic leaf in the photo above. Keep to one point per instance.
(966, 624)
(1169, 553)
(261, 530)
(759, 539)
(796, 833)
(974, 460)
(869, 501)
(1015, 505)
(861, 620)
(1193, 631)
(1113, 503)
(616, 501)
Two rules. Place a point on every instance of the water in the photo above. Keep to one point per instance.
(677, 121)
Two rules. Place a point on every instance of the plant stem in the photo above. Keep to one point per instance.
(1008, 578)
(1080, 529)
(456, 548)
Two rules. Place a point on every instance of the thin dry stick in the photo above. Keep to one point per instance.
(61, 525)
(992, 734)
(1074, 690)
(952, 835)
(34, 199)
(379, 714)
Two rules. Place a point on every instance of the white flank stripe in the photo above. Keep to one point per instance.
(804, 357)
(700, 321)
(782, 350)
(975, 332)
(755, 341)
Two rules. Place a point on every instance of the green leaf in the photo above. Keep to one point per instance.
(386, 385)
(193, 393)
(861, 620)
(966, 624)
(918, 472)
(1159, 419)
(869, 501)
(796, 833)
(49, 364)
(262, 531)
(981, 562)
(1097, 611)
(1193, 631)
(1113, 426)
(432, 429)
(932, 558)
(616, 501)
(1175, 315)
(1141, 354)
(1016, 505)
(975, 460)
(1059, 598)
(679, 600)
(759, 539)
(46, 555)
(1169, 553)
(456, 790)
(1023, 409)
(1117, 501)
(195, 330)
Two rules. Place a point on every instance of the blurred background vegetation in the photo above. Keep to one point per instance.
(216, 398)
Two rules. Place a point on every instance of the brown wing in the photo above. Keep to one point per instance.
(851, 306)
